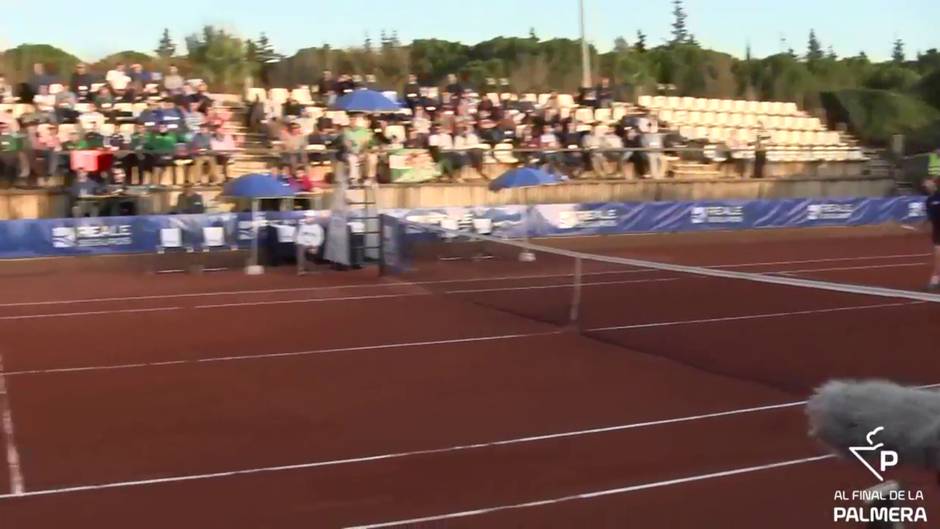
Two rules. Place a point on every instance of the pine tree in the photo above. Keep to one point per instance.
(680, 31)
(532, 34)
(897, 55)
(747, 52)
(640, 45)
(166, 48)
(367, 44)
(395, 42)
(831, 53)
(814, 50)
(264, 51)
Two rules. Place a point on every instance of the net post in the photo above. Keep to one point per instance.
(574, 316)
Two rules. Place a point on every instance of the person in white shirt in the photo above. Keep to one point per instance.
(441, 145)
(91, 120)
(467, 145)
(117, 78)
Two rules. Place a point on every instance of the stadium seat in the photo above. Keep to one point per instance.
(716, 135)
(107, 129)
(679, 116)
(256, 93)
(665, 115)
(739, 106)
(339, 117)
(543, 99)
(603, 115)
(700, 104)
(708, 118)
(735, 120)
(721, 118)
(672, 102)
(693, 118)
(763, 108)
(584, 115)
(752, 107)
(503, 153)
(659, 102)
(725, 105)
(530, 98)
(773, 122)
(712, 105)
(687, 103)
(776, 108)
(645, 101)
(701, 133)
(789, 109)
(687, 132)
(302, 96)
(566, 101)
(278, 95)
(619, 113)
(126, 129)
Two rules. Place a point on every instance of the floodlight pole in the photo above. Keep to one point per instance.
(585, 52)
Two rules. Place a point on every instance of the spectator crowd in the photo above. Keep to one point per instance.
(121, 127)
(460, 128)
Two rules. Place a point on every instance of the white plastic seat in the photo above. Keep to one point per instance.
(603, 115)
(502, 152)
(789, 109)
(584, 115)
(645, 101)
(672, 102)
(687, 103)
(735, 120)
(773, 122)
(619, 113)
(543, 99)
(679, 117)
(700, 104)
(566, 101)
(721, 118)
(694, 118)
(708, 118)
(752, 107)
(659, 102)
(739, 106)
(763, 107)
(701, 133)
(725, 105)
(530, 98)
(278, 95)
(256, 93)
(665, 115)
(396, 133)
(302, 96)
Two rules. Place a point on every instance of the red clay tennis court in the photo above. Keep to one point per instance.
(457, 398)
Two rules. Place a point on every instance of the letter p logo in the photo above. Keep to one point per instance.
(889, 458)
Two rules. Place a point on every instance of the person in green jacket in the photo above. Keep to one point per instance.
(933, 164)
(160, 147)
(12, 155)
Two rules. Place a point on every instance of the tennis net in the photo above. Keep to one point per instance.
(786, 332)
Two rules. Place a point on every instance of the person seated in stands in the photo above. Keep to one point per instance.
(160, 147)
(13, 162)
(345, 85)
(612, 143)
(133, 93)
(83, 186)
(48, 149)
(411, 93)
(131, 154)
(39, 79)
(605, 94)
(171, 115)
(189, 202)
(200, 150)
(138, 75)
(358, 144)
(592, 143)
(104, 99)
(453, 91)
(93, 137)
(117, 78)
(223, 146)
(173, 82)
(92, 118)
(294, 146)
(65, 108)
(415, 141)
(570, 139)
(489, 132)
(81, 83)
(202, 98)
(292, 109)
(441, 146)
(301, 181)
(467, 147)
(193, 120)
(326, 88)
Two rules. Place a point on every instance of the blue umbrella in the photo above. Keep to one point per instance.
(255, 187)
(258, 185)
(523, 177)
(365, 101)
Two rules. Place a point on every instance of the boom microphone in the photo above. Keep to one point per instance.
(870, 415)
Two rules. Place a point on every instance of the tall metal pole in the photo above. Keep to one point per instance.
(585, 53)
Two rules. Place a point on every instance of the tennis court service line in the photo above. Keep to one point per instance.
(405, 454)
(598, 493)
(17, 486)
(312, 352)
(87, 313)
(413, 453)
(443, 281)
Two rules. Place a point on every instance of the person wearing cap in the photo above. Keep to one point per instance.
(933, 216)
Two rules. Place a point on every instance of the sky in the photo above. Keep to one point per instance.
(106, 26)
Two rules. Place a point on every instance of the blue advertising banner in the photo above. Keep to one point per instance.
(109, 235)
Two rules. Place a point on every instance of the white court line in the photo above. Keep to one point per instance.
(448, 341)
(308, 300)
(311, 352)
(17, 485)
(401, 455)
(563, 285)
(88, 313)
(842, 268)
(755, 316)
(597, 494)
(418, 283)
